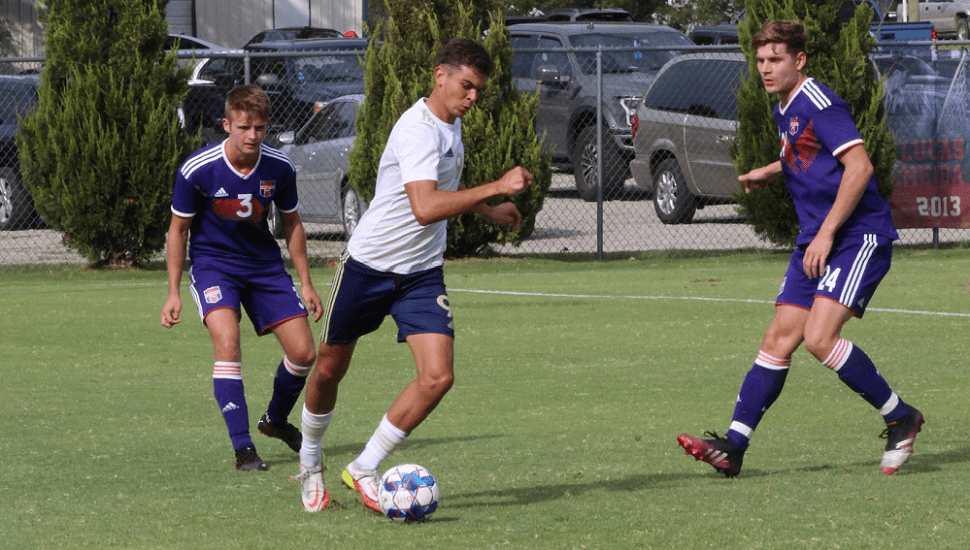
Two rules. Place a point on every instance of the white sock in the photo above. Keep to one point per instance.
(385, 438)
(313, 426)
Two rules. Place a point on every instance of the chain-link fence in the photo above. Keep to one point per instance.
(668, 181)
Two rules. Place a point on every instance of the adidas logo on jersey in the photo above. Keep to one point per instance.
(221, 193)
(230, 407)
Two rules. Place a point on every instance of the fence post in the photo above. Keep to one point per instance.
(599, 153)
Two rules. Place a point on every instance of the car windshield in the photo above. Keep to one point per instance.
(335, 120)
(327, 68)
(628, 61)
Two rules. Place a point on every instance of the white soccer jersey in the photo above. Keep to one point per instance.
(389, 237)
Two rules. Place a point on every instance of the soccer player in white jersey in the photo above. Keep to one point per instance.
(222, 195)
(843, 250)
(393, 266)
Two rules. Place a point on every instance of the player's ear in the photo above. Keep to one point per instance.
(226, 125)
(439, 74)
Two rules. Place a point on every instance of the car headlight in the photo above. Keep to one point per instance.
(629, 106)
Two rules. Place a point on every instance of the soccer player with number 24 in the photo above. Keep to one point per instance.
(842, 252)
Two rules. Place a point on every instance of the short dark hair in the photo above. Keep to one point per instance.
(790, 33)
(461, 51)
(248, 99)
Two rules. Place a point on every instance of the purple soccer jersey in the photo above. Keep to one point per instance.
(229, 209)
(814, 129)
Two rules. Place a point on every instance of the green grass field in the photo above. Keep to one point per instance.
(573, 381)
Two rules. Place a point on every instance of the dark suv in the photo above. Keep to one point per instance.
(590, 14)
(296, 74)
(293, 33)
(567, 85)
(18, 96)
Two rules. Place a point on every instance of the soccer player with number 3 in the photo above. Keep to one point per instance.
(843, 251)
(222, 197)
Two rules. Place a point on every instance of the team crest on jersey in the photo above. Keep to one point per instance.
(212, 295)
(793, 126)
(266, 188)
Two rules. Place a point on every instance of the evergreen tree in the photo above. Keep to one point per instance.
(99, 154)
(499, 132)
(838, 58)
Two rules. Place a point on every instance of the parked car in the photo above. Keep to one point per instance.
(293, 33)
(320, 150)
(294, 81)
(567, 87)
(192, 44)
(714, 35)
(197, 52)
(684, 127)
(590, 14)
(18, 96)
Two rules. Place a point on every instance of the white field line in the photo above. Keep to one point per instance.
(686, 298)
(559, 295)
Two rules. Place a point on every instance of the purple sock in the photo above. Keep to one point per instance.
(227, 387)
(761, 387)
(289, 382)
(857, 371)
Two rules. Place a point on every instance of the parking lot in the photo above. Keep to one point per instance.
(566, 224)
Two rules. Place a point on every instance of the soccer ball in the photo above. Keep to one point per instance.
(408, 493)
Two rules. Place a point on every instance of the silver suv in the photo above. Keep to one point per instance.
(544, 62)
(684, 127)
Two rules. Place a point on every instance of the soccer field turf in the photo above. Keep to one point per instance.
(573, 380)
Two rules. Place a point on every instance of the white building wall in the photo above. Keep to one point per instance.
(26, 36)
(228, 22)
(233, 22)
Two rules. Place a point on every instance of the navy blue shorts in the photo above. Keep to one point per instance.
(855, 267)
(362, 297)
(267, 293)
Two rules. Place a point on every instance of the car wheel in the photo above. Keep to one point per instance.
(963, 32)
(671, 198)
(353, 209)
(16, 208)
(275, 222)
(584, 158)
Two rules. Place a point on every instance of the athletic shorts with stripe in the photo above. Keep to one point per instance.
(265, 291)
(855, 267)
(361, 297)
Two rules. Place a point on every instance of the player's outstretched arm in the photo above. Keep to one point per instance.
(177, 239)
(758, 177)
(295, 235)
(431, 204)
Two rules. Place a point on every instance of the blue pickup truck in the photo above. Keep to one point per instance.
(885, 27)
(888, 29)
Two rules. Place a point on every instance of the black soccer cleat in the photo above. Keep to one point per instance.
(718, 452)
(284, 431)
(900, 436)
(248, 461)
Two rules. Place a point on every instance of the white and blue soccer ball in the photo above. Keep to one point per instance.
(408, 492)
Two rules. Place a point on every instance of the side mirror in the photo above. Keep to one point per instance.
(287, 138)
(267, 80)
(549, 74)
